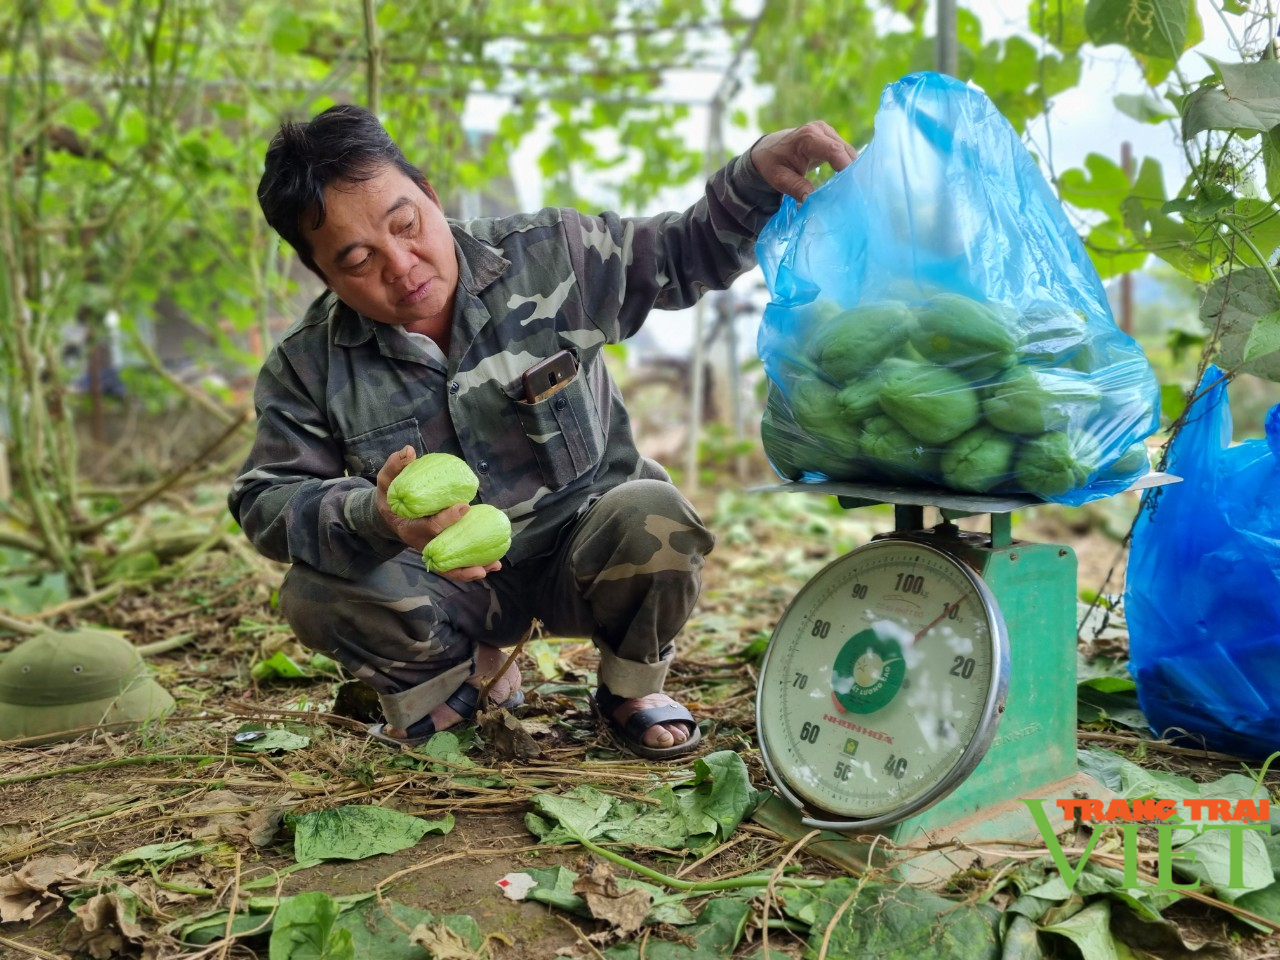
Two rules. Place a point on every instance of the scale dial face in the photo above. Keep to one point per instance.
(882, 684)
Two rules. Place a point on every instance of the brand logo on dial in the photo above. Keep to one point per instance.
(868, 672)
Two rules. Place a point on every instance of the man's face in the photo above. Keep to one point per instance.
(386, 251)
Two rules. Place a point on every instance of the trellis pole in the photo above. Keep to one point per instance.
(725, 91)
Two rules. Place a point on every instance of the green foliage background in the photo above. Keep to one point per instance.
(132, 135)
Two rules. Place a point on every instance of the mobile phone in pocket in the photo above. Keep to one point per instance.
(547, 376)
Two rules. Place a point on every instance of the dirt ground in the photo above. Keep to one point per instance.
(102, 796)
(96, 815)
(85, 807)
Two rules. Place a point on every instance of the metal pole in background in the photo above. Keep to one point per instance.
(1126, 279)
(730, 306)
(946, 39)
(697, 356)
(727, 87)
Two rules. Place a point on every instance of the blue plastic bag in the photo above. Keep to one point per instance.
(935, 320)
(1202, 590)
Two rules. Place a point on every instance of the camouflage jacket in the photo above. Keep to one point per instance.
(339, 393)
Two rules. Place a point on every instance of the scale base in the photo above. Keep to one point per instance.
(929, 856)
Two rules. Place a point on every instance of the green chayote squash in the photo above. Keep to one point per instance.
(481, 536)
(860, 399)
(778, 433)
(817, 412)
(1032, 401)
(1050, 334)
(806, 318)
(959, 332)
(897, 454)
(430, 484)
(978, 460)
(854, 341)
(1135, 462)
(1133, 459)
(1054, 463)
(792, 451)
(930, 402)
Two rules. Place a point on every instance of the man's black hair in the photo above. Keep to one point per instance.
(344, 142)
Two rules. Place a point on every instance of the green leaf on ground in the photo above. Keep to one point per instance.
(713, 936)
(1104, 673)
(157, 855)
(888, 922)
(378, 930)
(272, 738)
(32, 593)
(1266, 902)
(1215, 861)
(555, 889)
(356, 831)
(314, 926)
(671, 823)
(1232, 862)
(691, 815)
(305, 928)
(1146, 902)
(1106, 691)
(581, 814)
(1090, 931)
(279, 666)
(449, 749)
(1094, 705)
(546, 657)
(1132, 781)
(255, 915)
(722, 791)
(1021, 941)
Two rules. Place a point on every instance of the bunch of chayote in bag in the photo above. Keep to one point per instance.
(435, 482)
(947, 390)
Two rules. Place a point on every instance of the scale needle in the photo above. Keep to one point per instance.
(946, 610)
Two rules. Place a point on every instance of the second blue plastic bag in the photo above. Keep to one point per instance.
(1202, 588)
(935, 319)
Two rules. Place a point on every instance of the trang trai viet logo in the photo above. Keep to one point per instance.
(1168, 817)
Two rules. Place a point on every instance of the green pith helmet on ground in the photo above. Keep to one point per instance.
(59, 685)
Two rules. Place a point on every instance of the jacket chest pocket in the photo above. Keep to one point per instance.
(564, 431)
(365, 453)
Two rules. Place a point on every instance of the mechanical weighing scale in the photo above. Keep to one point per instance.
(920, 684)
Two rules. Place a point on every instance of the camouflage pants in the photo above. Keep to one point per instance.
(625, 574)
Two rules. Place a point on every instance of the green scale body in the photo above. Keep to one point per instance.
(1022, 745)
(1034, 585)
